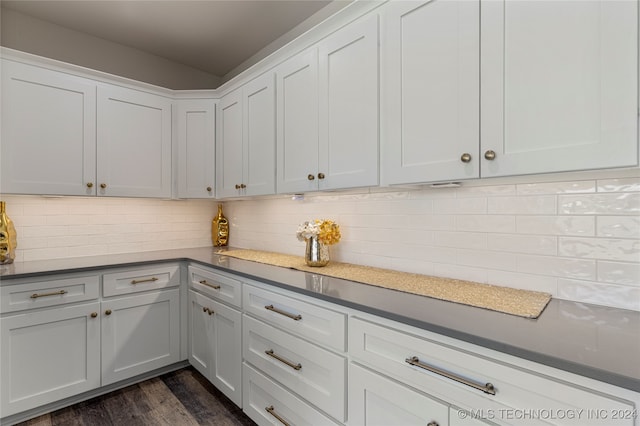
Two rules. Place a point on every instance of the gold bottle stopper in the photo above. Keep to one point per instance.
(220, 229)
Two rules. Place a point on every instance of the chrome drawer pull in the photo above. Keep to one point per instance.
(213, 286)
(272, 411)
(53, 293)
(148, 280)
(297, 366)
(488, 388)
(286, 314)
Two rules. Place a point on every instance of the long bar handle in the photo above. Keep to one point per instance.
(487, 388)
(53, 293)
(286, 314)
(148, 280)
(297, 366)
(213, 286)
(272, 411)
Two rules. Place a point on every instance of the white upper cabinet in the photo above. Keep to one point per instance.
(348, 130)
(430, 91)
(297, 123)
(134, 143)
(48, 132)
(196, 147)
(327, 112)
(559, 86)
(246, 150)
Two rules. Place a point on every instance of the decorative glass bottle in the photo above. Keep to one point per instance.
(220, 229)
(8, 237)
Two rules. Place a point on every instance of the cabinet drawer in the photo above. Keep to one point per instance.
(42, 292)
(216, 285)
(374, 399)
(304, 319)
(264, 400)
(142, 279)
(314, 373)
(535, 394)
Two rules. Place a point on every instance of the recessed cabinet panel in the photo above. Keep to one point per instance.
(134, 143)
(48, 132)
(348, 138)
(559, 86)
(297, 123)
(48, 355)
(230, 149)
(430, 91)
(260, 136)
(196, 148)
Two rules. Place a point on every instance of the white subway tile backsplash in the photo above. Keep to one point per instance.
(618, 226)
(626, 273)
(578, 240)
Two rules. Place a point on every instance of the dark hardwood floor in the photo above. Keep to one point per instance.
(183, 397)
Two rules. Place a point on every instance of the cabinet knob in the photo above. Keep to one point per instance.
(490, 155)
(243, 186)
(433, 424)
(237, 186)
(204, 309)
(107, 312)
(208, 189)
(311, 177)
(103, 185)
(320, 175)
(94, 314)
(465, 158)
(89, 184)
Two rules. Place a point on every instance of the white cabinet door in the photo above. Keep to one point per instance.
(297, 123)
(430, 91)
(229, 152)
(134, 143)
(48, 132)
(559, 85)
(196, 148)
(259, 137)
(215, 347)
(376, 400)
(139, 334)
(48, 355)
(348, 138)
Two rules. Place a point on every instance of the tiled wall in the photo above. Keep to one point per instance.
(577, 236)
(50, 228)
(578, 239)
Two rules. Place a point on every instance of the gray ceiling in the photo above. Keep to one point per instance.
(214, 36)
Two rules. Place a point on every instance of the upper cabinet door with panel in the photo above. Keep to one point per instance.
(348, 131)
(48, 132)
(430, 91)
(297, 123)
(229, 147)
(134, 143)
(196, 148)
(559, 86)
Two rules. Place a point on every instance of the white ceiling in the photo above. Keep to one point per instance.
(214, 36)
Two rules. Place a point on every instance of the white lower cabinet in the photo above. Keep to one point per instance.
(139, 334)
(215, 344)
(375, 400)
(268, 403)
(48, 355)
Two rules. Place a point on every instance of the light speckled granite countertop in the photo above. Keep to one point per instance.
(593, 341)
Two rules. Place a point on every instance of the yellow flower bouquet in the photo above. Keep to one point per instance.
(326, 231)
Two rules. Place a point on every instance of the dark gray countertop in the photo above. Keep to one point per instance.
(593, 341)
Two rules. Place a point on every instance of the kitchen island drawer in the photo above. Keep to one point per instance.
(310, 371)
(310, 321)
(141, 279)
(47, 291)
(268, 403)
(469, 378)
(216, 285)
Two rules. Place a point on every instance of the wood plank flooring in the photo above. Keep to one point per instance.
(182, 397)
